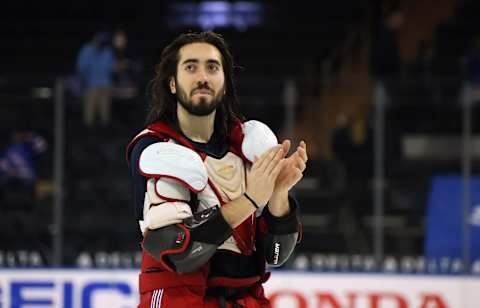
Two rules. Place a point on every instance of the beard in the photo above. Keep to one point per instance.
(204, 106)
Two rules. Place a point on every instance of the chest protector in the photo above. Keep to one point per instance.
(246, 141)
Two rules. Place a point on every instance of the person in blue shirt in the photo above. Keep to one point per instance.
(18, 168)
(96, 64)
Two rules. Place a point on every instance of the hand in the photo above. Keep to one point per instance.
(263, 174)
(292, 171)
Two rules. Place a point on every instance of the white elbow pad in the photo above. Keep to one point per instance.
(258, 139)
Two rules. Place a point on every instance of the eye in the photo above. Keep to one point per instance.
(190, 68)
(213, 68)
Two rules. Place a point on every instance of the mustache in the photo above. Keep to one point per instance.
(202, 87)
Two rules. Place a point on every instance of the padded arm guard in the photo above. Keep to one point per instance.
(279, 247)
(186, 247)
(282, 236)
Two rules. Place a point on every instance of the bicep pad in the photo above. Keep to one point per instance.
(166, 214)
(173, 172)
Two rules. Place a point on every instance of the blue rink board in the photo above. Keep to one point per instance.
(445, 218)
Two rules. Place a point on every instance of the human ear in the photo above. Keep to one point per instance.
(173, 87)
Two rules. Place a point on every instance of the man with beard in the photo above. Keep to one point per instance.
(211, 190)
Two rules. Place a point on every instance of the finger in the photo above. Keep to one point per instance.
(293, 158)
(276, 171)
(286, 145)
(303, 145)
(301, 165)
(278, 156)
(300, 157)
(298, 177)
(266, 157)
(303, 153)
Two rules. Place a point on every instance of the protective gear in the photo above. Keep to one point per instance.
(167, 159)
(281, 236)
(258, 139)
(166, 214)
(178, 246)
(167, 189)
(227, 267)
(244, 234)
(165, 204)
(278, 248)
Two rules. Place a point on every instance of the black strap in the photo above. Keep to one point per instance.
(251, 200)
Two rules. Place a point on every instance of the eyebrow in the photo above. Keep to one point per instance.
(210, 61)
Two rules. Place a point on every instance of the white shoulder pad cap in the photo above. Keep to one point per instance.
(166, 159)
(258, 139)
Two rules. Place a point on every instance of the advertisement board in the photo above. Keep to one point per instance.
(288, 290)
(118, 289)
(68, 288)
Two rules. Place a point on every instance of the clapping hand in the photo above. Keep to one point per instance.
(292, 169)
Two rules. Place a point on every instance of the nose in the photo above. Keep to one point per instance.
(202, 81)
(202, 75)
(202, 84)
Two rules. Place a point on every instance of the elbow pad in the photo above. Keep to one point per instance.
(282, 236)
(279, 248)
(186, 247)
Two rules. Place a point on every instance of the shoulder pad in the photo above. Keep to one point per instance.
(170, 160)
(258, 138)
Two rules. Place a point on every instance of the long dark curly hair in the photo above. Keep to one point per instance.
(163, 104)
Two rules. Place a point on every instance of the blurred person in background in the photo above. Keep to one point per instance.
(126, 78)
(211, 191)
(18, 168)
(96, 64)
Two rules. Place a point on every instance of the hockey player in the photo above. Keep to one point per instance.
(211, 190)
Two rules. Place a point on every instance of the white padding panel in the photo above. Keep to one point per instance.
(170, 189)
(166, 159)
(166, 214)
